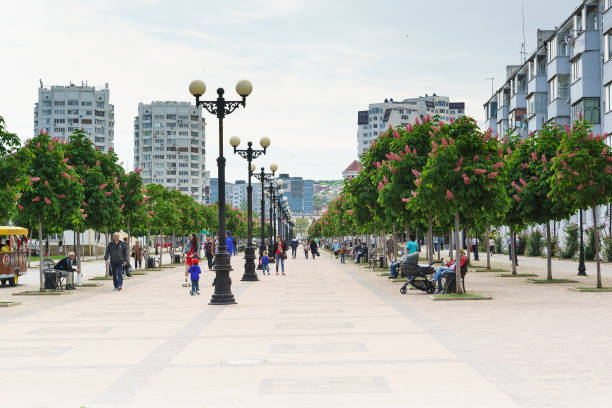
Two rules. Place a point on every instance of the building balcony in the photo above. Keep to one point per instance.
(586, 41)
(606, 21)
(502, 112)
(558, 66)
(589, 86)
(537, 84)
(535, 122)
(558, 108)
(607, 72)
(518, 101)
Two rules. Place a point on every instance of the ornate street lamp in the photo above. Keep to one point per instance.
(220, 108)
(263, 177)
(250, 154)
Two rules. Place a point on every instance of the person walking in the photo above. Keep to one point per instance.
(234, 246)
(190, 252)
(126, 270)
(137, 251)
(265, 266)
(314, 249)
(491, 245)
(194, 272)
(343, 252)
(280, 253)
(116, 257)
(294, 246)
(475, 242)
(305, 248)
(229, 242)
(209, 250)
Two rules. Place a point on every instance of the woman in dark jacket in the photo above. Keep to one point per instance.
(314, 248)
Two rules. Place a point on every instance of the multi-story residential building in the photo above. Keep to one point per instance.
(299, 193)
(570, 72)
(170, 146)
(380, 116)
(62, 109)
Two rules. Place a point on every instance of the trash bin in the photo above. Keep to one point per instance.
(381, 261)
(50, 279)
(177, 259)
(150, 263)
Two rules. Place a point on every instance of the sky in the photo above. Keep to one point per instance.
(313, 63)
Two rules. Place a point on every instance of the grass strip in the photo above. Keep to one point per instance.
(90, 285)
(517, 275)
(461, 296)
(42, 293)
(9, 304)
(480, 270)
(552, 281)
(592, 289)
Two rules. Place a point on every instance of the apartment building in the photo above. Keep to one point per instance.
(62, 109)
(379, 116)
(568, 73)
(170, 146)
(299, 193)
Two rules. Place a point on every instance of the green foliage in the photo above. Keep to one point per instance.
(535, 243)
(607, 248)
(8, 141)
(589, 244)
(571, 241)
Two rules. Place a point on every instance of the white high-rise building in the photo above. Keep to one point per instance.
(62, 109)
(380, 116)
(170, 146)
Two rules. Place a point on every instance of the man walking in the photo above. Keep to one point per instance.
(229, 242)
(116, 257)
(294, 246)
(209, 251)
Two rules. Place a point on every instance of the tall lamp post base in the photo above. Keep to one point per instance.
(249, 264)
(223, 283)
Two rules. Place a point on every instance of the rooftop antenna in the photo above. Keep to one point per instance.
(523, 53)
(491, 79)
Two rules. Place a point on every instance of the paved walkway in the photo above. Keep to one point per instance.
(324, 335)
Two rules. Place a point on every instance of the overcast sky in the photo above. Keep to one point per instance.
(313, 63)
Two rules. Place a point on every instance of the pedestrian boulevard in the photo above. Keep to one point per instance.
(323, 335)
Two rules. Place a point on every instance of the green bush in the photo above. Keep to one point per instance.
(535, 243)
(498, 245)
(606, 248)
(589, 245)
(571, 241)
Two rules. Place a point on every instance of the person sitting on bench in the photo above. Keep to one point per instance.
(66, 265)
(449, 267)
(393, 268)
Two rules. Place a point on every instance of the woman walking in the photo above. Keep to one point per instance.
(137, 255)
(314, 249)
(280, 254)
(305, 248)
(190, 251)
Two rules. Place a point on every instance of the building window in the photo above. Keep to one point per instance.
(589, 108)
(552, 94)
(551, 50)
(576, 69)
(608, 96)
(608, 45)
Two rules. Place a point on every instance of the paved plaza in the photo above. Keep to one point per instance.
(324, 335)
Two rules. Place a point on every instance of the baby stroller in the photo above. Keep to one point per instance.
(417, 274)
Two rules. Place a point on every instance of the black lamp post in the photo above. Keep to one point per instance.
(249, 154)
(220, 108)
(581, 266)
(263, 177)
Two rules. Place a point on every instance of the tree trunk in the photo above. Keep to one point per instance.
(78, 252)
(548, 253)
(458, 257)
(488, 237)
(129, 239)
(148, 246)
(596, 233)
(468, 244)
(107, 273)
(512, 251)
(384, 242)
(41, 255)
(450, 244)
(30, 247)
(394, 241)
(161, 248)
(429, 240)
